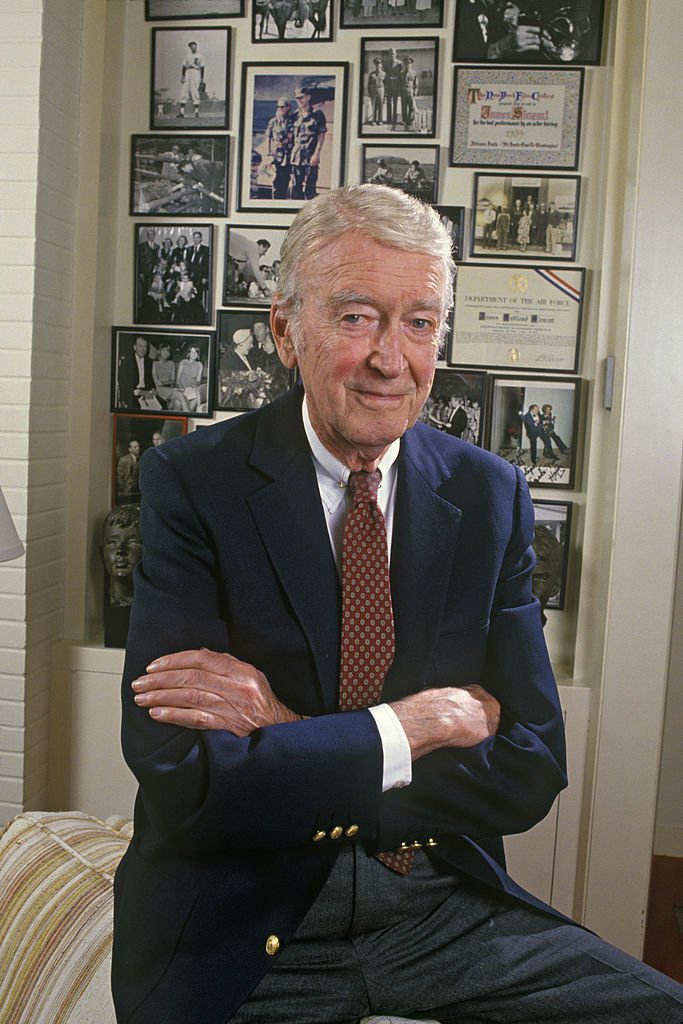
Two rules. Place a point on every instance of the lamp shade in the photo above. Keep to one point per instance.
(10, 545)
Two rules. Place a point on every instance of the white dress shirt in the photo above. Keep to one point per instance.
(333, 477)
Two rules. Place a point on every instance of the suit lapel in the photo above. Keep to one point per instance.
(289, 517)
(425, 534)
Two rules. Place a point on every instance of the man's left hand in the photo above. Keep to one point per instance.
(207, 690)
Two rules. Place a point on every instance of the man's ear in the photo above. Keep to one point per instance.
(282, 334)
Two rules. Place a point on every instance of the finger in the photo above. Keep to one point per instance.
(179, 698)
(191, 718)
(202, 658)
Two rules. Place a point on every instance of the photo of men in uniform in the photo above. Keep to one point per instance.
(291, 134)
(398, 95)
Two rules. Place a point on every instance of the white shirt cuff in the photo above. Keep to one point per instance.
(398, 765)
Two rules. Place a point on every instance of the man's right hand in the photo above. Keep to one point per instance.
(451, 716)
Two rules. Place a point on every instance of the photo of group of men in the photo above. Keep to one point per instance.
(529, 217)
(399, 78)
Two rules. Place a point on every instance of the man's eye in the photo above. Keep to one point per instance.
(352, 318)
(420, 323)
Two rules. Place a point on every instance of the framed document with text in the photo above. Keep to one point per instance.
(517, 317)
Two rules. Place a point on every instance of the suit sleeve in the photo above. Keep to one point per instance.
(212, 790)
(509, 782)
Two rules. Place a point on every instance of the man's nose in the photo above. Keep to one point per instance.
(387, 355)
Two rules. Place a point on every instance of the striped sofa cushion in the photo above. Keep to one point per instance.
(56, 874)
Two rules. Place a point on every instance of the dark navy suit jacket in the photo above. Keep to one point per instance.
(237, 558)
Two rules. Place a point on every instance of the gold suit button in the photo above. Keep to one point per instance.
(416, 845)
(431, 842)
(337, 832)
(272, 945)
(317, 836)
(352, 830)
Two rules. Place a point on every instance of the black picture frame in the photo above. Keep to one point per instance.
(179, 175)
(173, 279)
(187, 98)
(182, 10)
(526, 118)
(251, 263)
(456, 404)
(453, 219)
(412, 169)
(552, 540)
(397, 106)
(271, 27)
(162, 391)
(553, 32)
(389, 14)
(262, 378)
(497, 192)
(148, 431)
(514, 316)
(282, 161)
(511, 436)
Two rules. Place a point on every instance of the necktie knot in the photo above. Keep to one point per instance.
(364, 486)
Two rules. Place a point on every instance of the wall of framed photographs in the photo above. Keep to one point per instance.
(591, 183)
(385, 92)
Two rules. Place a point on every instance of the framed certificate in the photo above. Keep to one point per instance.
(517, 317)
(516, 117)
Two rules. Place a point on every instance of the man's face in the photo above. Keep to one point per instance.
(304, 100)
(121, 550)
(197, 237)
(367, 343)
(141, 346)
(260, 330)
(157, 439)
(150, 233)
(134, 448)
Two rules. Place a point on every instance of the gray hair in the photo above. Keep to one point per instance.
(384, 214)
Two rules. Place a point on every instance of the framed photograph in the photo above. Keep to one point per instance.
(552, 531)
(413, 169)
(456, 404)
(534, 424)
(250, 373)
(292, 133)
(453, 219)
(545, 32)
(190, 69)
(170, 10)
(398, 87)
(132, 436)
(516, 117)
(392, 14)
(179, 175)
(517, 317)
(173, 274)
(292, 22)
(157, 372)
(252, 264)
(525, 217)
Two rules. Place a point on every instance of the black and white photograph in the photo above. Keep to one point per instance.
(456, 404)
(173, 274)
(190, 69)
(518, 317)
(517, 117)
(399, 86)
(453, 219)
(413, 169)
(177, 10)
(392, 13)
(525, 217)
(252, 264)
(291, 134)
(179, 175)
(552, 531)
(292, 21)
(157, 371)
(250, 373)
(534, 424)
(528, 32)
(133, 435)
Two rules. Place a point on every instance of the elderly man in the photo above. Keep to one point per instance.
(336, 696)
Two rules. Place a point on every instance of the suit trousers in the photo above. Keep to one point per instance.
(435, 945)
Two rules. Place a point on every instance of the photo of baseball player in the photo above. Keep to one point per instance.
(190, 78)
